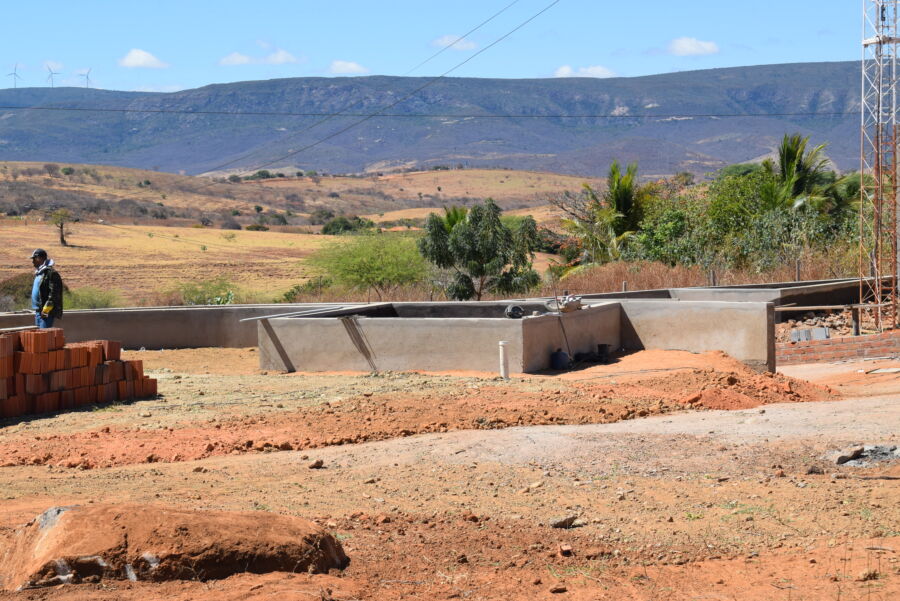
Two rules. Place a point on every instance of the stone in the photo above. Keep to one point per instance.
(317, 464)
(564, 522)
(847, 454)
(559, 588)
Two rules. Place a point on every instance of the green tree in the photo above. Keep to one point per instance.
(799, 174)
(624, 195)
(481, 253)
(380, 262)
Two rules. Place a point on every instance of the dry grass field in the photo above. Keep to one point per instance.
(141, 263)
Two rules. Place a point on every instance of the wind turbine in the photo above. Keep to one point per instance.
(87, 78)
(15, 75)
(50, 77)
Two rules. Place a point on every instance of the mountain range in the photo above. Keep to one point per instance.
(695, 121)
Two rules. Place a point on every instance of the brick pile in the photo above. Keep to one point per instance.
(40, 373)
(886, 344)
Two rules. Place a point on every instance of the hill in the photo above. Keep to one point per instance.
(647, 120)
(126, 195)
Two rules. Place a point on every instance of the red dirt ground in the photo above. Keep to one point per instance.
(665, 516)
(638, 385)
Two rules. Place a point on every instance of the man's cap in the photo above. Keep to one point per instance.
(39, 252)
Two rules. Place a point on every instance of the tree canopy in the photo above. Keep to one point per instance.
(480, 252)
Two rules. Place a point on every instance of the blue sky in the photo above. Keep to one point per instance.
(168, 45)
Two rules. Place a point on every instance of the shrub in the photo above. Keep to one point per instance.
(343, 225)
(88, 297)
(320, 216)
(217, 291)
(381, 262)
(314, 286)
(256, 227)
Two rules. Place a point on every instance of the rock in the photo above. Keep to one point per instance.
(461, 558)
(559, 588)
(145, 414)
(369, 481)
(200, 469)
(566, 522)
(814, 469)
(317, 464)
(564, 550)
(844, 455)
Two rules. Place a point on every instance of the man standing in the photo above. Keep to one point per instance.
(46, 292)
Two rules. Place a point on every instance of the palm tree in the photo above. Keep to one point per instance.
(623, 195)
(598, 236)
(800, 173)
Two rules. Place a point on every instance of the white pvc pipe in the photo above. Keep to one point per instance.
(504, 360)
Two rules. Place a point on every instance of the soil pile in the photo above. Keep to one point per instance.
(636, 385)
(139, 542)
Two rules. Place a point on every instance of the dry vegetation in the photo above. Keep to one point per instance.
(144, 263)
(129, 195)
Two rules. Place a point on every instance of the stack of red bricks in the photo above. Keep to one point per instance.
(886, 344)
(40, 373)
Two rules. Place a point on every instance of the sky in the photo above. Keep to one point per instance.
(166, 45)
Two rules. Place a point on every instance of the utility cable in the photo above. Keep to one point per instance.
(369, 116)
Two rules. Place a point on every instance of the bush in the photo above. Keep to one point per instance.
(217, 291)
(320, 216)
(381, 262)
(343, 225)
(67, 171)
(89, 297)
(256, 227)
(313, 286)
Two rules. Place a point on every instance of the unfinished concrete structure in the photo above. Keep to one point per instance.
(433, 336)
(736, 319)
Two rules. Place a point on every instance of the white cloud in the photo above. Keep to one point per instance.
(235, 58)
(448, 40)
(692, 47)
(142, 59)
(590, 71)
(280, 57)
(53, 66)
(346, 68)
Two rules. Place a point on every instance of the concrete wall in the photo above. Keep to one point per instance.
(585, 329)
(399, 344)
(746, 331)
(163, 327)
(323, 343)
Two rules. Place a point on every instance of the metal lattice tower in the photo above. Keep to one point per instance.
(878, 257)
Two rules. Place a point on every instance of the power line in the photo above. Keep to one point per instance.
(465, 35)
(381, 114)
(327, 117)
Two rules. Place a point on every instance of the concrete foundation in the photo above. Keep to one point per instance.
(396, 339)
(445, 336)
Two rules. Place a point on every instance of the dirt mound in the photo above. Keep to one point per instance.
(138, 542)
